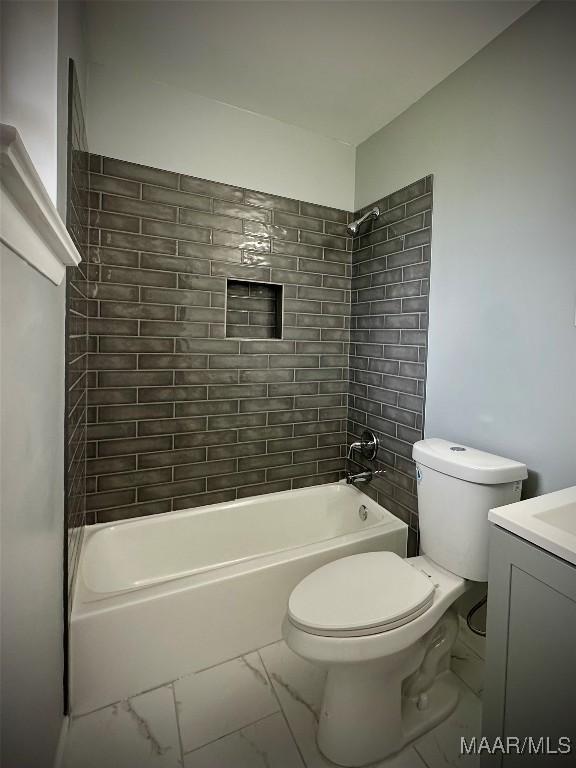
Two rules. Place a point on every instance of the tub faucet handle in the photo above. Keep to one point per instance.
(368, 445)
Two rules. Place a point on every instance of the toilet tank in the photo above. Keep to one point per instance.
(457, 486)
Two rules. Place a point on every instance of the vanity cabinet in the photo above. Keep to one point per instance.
(531, 651)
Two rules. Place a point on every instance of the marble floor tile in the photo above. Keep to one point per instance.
(440, 748)
(138, 733)
(223, 699)
(468, 666)
(299, 686)
(265, 744)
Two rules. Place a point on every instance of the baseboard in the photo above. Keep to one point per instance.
(59, 758)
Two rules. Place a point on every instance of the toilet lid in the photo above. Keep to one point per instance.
(359, 595)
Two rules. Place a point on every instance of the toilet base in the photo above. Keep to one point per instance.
(372, 710)
(353, 749)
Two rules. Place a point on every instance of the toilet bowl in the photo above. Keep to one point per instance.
(383, 626)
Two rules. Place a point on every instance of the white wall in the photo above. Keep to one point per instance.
(28, 80)
(166, 127)
(31, 512)
(37, 38)
(499, 137)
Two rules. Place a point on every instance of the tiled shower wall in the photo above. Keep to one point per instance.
(179, 414)
(76, 335)
(390, 285)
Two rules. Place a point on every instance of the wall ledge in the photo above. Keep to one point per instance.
(30, 225)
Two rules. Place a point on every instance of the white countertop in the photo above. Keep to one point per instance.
(548, 521)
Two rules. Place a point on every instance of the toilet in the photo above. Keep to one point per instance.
(383, 626)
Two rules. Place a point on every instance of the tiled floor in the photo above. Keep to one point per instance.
(258, 711)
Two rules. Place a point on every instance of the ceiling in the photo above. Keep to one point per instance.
(341, 69)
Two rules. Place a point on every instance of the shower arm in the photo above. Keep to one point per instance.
(373, 213)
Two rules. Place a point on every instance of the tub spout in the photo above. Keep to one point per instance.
(363, 477)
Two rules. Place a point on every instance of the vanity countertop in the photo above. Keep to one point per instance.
(548, 521)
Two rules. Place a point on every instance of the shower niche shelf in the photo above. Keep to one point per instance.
(253, 310)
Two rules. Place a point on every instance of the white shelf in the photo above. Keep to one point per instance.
(30, 225)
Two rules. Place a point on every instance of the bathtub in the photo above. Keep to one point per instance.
(160, 597)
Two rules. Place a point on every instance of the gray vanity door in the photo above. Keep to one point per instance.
(531, 650)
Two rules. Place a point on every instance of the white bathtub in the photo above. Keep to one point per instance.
(163, 596)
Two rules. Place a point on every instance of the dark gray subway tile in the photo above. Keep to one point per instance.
(139, 277)
(265, 432)
(236, 480)
(203, 499)
(321, 266)
(265, 461)
(201, 283)
(135, 344)
(293, 416)
(421, 237)
(323, 212)
(160, 229)
(206, 377)
(298, 222)
(193, 298)
(133, 445)
(236, 450)
(99, 183)
(140, 208)
(110, 499)
(297, 249)
(170, 394)
(417, 189)
(206, 408)
(170, 490)
(171, 362)
(132, 510)
(134, 412)
(171, 458)
(175, 198)
(138, 242)
(136, 310)
(242, 211)
(114, 221)
(166, 328)
(236, 422)
(96, 467)
(263, 200)
(132, 171)
(241, 362)
(134, 479)
(189, 249)
(214, 346)
(259, 229)
(290, 444)
(205, 469)
(323, 241)
(211, 189)
(245, 242)
(204, 439)
(170, 426)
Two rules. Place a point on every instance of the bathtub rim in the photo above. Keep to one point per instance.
(86, 601)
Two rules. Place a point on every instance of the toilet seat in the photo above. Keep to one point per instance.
(360, 595)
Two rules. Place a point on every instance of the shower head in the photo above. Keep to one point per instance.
(354, 226)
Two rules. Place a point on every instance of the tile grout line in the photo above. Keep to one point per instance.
(285, 717)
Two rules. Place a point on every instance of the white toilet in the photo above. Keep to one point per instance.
(382, 625)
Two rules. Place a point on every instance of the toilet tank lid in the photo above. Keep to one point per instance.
(466, 463)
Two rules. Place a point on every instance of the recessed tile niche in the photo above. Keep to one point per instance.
(253, 310)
